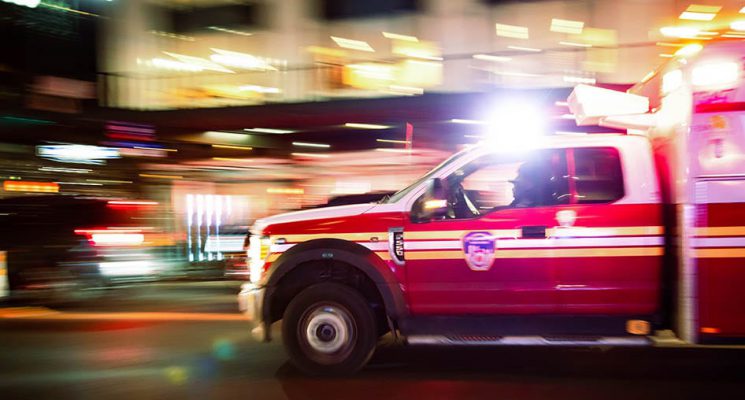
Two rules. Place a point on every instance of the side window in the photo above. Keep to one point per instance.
(597, 175)
(534, 179)
(489, 187)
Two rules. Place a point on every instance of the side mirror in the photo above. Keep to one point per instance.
(433, 203)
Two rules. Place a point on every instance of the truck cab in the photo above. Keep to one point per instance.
(558, 242)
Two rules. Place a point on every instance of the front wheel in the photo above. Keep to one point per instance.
(329, 329)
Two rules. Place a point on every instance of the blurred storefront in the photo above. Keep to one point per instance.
(193, 54)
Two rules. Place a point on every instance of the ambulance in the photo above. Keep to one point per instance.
(625, 239)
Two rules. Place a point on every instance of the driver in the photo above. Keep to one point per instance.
(528, 185)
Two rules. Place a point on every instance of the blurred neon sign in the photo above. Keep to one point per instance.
(77, 153)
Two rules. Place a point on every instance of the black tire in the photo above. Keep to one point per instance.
(323, 316)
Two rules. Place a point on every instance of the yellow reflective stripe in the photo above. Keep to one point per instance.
(434, 255)
(354, 237)
(272, 257)
(720, 231)
(735, 252)
(543, 253)
(384, 255)
(608, 231)
(516, 233)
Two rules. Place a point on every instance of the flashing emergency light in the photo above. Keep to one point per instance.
(515, 126)
(715, 75)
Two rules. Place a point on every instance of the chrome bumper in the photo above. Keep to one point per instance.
(250, 303)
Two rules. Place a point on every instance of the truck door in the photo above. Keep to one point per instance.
(611, 252)
(478, 259)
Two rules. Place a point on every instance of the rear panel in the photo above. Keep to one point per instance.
(718, 238)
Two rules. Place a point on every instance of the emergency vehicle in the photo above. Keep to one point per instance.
(597, 239)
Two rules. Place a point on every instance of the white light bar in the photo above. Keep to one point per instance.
(589, 104)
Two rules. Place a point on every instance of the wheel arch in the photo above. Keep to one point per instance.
(333, 251)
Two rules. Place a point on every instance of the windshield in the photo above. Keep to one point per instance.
(402, 193)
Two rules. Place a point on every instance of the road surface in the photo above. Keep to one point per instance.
(187, 341)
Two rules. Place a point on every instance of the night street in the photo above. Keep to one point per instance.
(200, 349)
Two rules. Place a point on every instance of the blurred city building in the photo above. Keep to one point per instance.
(226, 111)
(189, 54)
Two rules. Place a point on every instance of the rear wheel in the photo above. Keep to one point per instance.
(329, 329)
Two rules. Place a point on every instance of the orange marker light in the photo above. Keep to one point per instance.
(27, 186)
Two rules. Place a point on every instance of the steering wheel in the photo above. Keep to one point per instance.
(459, 205)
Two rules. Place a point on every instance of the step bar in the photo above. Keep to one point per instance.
(481, 340)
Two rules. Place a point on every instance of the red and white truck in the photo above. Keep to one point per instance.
(596, 239)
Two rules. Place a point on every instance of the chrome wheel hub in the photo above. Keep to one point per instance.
(328, 329)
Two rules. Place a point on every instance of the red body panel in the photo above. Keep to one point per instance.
(721, 279)
(437, 279)
(557, 284)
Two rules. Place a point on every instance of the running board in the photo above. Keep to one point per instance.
(526, 341)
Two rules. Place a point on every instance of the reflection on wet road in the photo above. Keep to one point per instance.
(160, 342)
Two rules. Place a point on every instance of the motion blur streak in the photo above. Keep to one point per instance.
(46, 314)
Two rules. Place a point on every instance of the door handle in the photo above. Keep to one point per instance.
(534, 232)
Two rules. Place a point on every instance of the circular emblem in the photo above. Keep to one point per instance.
(566, 218)
(479, 247)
